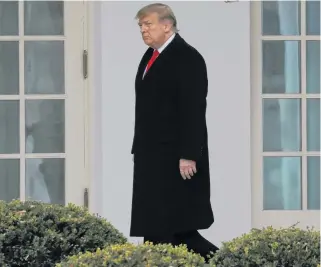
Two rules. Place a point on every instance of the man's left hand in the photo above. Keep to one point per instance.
(187, 168)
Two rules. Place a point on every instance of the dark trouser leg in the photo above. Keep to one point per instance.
(196, 242)
(192, 239)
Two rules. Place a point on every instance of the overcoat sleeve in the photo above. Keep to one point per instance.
(192, 105)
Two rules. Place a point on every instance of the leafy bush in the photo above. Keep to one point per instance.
(144, 255)
(291, 247)
(38, 234)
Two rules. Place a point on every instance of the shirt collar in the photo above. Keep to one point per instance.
(161, 49)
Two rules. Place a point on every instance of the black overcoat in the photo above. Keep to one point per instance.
(170, 124)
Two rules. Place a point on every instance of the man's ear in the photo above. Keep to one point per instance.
(167, 26)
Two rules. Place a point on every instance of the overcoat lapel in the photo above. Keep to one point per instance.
(142, 66)
(158, 62)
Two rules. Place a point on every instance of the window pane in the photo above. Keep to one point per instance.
(9, 179)
(313, 183)
(282, 183)
(313, 67)
(9, 127)
(313, 17)
(45, 180)
(45, 126)
(313, 124)
(44, 67)
(44, 18)
(9, 18)
(281, 67)
(281, 17)
(281, 125)
(9, 68)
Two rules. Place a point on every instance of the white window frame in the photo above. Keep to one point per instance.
(277, 218)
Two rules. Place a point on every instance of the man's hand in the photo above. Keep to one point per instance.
(187, 168)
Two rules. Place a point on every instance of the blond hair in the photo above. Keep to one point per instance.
(164, 13)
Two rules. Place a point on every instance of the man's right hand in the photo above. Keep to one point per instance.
(187, 168)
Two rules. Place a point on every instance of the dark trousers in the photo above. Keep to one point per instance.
(192, 239)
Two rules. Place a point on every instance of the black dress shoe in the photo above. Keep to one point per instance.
(197, 243)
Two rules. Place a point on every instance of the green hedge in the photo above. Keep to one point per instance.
(38, 234)
(144, 255)
(43, 235)
(268, 247)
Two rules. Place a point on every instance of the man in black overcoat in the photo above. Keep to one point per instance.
(171, 187)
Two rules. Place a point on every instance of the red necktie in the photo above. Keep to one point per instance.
(152, 59)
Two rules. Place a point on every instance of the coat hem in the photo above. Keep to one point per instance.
(176, 231)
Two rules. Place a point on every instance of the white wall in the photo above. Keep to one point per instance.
(221, 32)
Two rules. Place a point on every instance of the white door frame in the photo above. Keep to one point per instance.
(76, 26)
(94, 107)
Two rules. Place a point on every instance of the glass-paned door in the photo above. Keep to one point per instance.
(286, 128)
(42, 101)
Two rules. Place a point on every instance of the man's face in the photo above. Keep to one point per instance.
(153, 31)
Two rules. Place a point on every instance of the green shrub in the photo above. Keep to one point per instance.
(38, 234)
(144, 255)
(291, 247)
